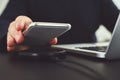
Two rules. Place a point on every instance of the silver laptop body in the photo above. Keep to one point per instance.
(111, 52)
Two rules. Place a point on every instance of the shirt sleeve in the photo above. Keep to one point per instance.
(109, 14)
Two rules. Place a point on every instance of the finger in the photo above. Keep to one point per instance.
(22, 22)
(19, 38)
(53, 41)
(10, 49)
(12, 30)
(10, 43)
(11, 26)
(17, 35)
(10, 40)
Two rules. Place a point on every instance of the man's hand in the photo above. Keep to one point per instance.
(15, 35)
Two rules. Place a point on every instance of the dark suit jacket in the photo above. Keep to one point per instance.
(85, 16)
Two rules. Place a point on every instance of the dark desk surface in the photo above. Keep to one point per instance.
(72, 68)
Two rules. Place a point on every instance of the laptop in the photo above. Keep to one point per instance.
(107, 50)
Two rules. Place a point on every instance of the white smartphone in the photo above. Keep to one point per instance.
(41, 33)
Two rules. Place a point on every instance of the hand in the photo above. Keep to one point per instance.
(15, 35)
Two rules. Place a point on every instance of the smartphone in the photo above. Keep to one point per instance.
(41, 33)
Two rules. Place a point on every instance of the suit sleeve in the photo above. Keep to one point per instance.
(13, 9)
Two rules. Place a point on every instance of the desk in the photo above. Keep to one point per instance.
(72, 68)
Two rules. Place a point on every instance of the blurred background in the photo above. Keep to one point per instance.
(3, 4)
(102, 33)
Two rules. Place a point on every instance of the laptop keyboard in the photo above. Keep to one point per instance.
(95, 48)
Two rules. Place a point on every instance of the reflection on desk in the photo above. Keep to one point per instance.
(71, 68)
